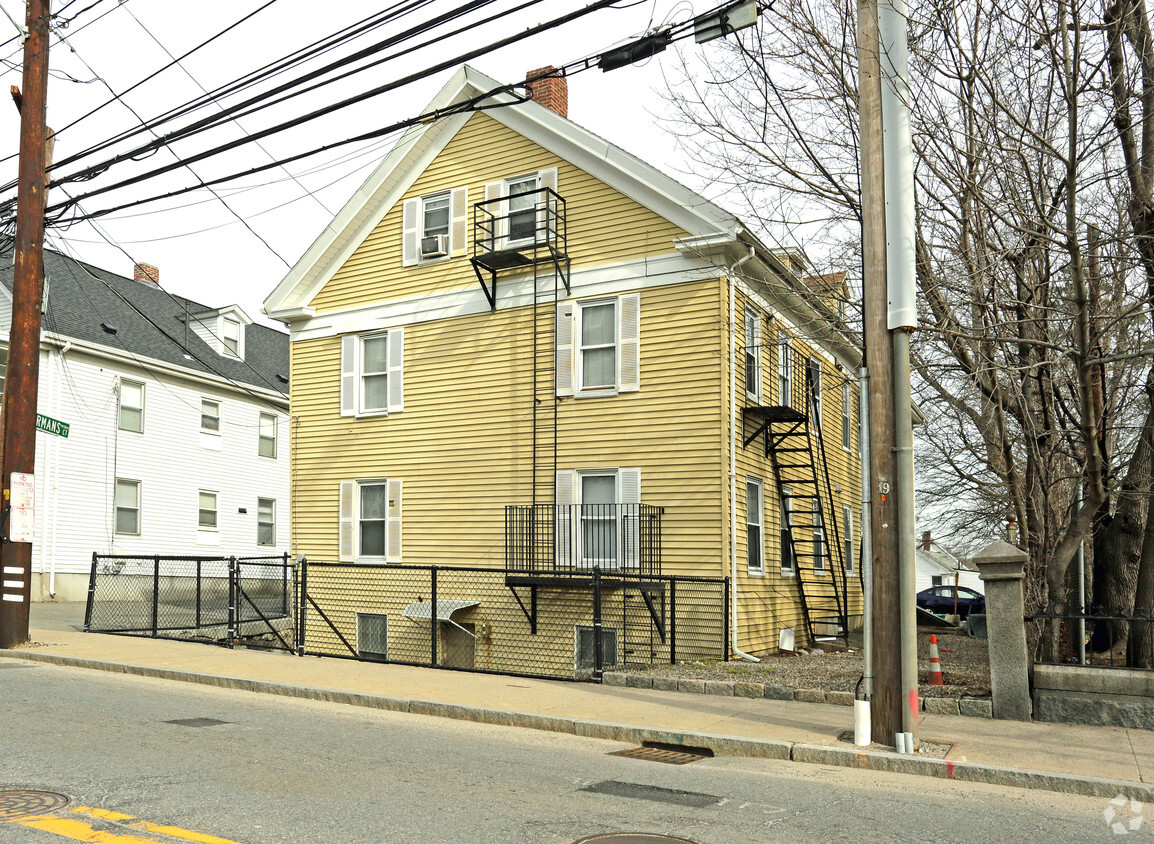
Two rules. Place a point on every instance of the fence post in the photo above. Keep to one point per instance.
(725, 620)
(302, 604)
(232, 599)
(598, 657)
(433, 615)
(91, 594)
(284, 583)
(673, 621)
(1001, 570)
(155, 593)
(198, 568)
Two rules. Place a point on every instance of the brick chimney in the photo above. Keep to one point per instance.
(551, 92)
(145, 273)
(926, 541)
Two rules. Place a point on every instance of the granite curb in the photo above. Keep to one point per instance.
(972, 707)
(720, 744)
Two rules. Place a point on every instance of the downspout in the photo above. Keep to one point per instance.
(56, 482)
(732, 289)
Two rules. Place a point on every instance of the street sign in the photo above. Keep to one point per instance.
(51, 426)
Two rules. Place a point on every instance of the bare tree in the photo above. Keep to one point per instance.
(1035, 278)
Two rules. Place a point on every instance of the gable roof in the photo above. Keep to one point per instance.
(149, 322)
(619, 169)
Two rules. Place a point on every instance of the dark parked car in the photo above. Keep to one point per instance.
(940, 600)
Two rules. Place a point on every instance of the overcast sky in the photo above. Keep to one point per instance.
(202, 250)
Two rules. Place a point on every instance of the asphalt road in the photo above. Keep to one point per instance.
(254, 769)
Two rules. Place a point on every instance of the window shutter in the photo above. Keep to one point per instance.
(564, 352)
(629, 490)
(499, 221)
(393, 521)
(349, 375)
(409, 217)
(347, 544)
(546, 221)
(459, 221)
(564, 517)
(396, 369)
(629, 342)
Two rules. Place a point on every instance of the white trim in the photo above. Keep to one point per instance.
(603, 282)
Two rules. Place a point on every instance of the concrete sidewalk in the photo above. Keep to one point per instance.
(1095, 761)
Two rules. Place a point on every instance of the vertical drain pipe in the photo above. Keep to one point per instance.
(732, 289)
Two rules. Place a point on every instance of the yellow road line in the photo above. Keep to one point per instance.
(81, 830)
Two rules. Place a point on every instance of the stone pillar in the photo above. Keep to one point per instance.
(1001, 568)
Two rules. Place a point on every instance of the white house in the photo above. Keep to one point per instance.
(177, 425)
(935, 566)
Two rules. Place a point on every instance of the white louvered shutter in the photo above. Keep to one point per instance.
(498, 222)
(547, 211)
(565, 348)
(393, 521)
(349, 375)
(347, 546)
(396, 369)
(458, 221)
(629, 340)
(565, 517)
(629, 491)
(409, 224)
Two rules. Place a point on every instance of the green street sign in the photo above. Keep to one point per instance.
(51, 426)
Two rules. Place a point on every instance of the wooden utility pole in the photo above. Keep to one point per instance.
(24, 349)
(886, 705)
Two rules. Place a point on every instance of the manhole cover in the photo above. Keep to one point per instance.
(23, 804)
(196, 722)
(659, 754)
(631, 838)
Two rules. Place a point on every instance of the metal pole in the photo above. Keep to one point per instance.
(597, 655)
(867, 569)
(907, 585)
(91, 595)
(23, 373)
(232, 597)
(198, 573)
(155, 593)
(673, 621)
(433, 615)
(302, 605)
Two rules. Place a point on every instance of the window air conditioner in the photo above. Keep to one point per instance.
(435, 246)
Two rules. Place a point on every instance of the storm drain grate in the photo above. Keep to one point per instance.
(670, 754)
(196, 722)
(18, 803)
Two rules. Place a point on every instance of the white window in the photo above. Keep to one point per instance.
(752, 356)
(598, 518)
(209, 416)
(788, 561)
(523, 197)
(266, 435)
(847, 538)
(131, 417)
(370, 521)
(598, 346)
(372, 373)
(434, 226)
(819, 552)
(753, 526)
(206, 519)
(846, 418)
(813, 369)
(127, 507)
(265, 522)
(785, 373)
(230, 336)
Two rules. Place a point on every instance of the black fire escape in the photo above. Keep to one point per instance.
(794, 444)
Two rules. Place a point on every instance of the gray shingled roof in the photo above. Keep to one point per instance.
(149, 322)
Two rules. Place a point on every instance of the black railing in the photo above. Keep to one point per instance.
(217, 598)
(578, 538)
(520, 221)
(1122, 637)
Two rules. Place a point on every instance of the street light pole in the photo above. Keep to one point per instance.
(24, 350)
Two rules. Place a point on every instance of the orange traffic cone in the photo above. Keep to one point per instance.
(935, 663)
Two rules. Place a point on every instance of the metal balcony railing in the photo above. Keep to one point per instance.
(578, 538)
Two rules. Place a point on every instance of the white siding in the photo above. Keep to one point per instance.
(76, 476)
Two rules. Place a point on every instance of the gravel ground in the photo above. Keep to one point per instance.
(965, 668)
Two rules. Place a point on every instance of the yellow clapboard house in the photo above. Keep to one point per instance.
(520, 348)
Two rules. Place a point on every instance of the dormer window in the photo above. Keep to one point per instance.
(230, 336)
